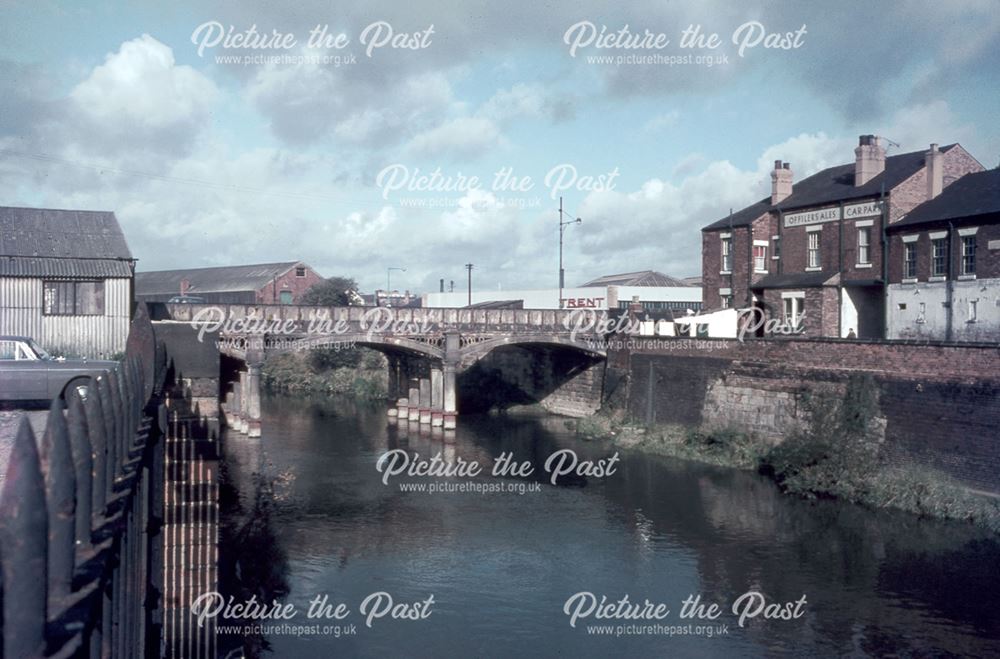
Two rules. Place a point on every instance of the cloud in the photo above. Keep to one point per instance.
(141, 99)
(661, 122)
(461, 138)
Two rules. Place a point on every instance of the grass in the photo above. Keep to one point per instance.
(838, 453)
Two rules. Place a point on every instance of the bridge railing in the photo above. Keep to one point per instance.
(78, 517)
(549, 319)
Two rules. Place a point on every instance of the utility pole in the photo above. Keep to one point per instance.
(562, 227)
(469, 266)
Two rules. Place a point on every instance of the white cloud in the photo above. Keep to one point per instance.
(142, 84)
(464, 137)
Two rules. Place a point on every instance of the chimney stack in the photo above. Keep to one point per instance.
(935, 172)
(781, 182)
(869, 159)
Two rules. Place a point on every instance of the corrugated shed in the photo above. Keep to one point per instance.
(210, 280)
(87, 336)
(45, 232)
(53, 268)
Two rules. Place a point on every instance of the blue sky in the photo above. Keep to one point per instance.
(108, 105)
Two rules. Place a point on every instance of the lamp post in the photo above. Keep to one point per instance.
(562, 228)
(388, 283)
(388, 278)
(469, 266)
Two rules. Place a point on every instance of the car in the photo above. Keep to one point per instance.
(186, 299)
(28, 373)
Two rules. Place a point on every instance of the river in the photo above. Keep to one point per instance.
(306, 514)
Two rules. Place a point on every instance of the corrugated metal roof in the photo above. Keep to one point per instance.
(642, 278)
(16, 266)
(211, 280)
(45, 232)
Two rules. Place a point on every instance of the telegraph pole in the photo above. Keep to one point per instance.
(469, 266)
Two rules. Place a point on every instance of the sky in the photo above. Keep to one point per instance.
(373, 135)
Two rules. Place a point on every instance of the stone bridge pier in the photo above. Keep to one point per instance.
(426, 391)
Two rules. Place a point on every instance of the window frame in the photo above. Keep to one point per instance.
(78, 306)
(726, 245)
(909, 250)
(969, 259)
(811, 252)
(939, 259)
(865, 247)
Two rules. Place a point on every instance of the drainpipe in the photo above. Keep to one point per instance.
(750, 263)
(949, 286)
(885, 264)
(840, 273)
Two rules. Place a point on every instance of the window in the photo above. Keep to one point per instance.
(776, 251)
(909, 261)
(727, 254)
(300, 272)
(285, 297)
(814, 249)
(864, 244)
(792, 307)
(969, 255)
(14, 350)
(727, 301)
(73, 298)
(939, 257)
(973, 315)
(759, 258)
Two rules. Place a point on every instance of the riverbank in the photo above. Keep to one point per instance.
(827, 459)
(359, 373)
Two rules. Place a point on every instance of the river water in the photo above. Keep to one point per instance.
(306, 514)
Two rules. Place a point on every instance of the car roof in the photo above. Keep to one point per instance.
(11, 337)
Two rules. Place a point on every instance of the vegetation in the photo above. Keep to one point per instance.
(838, 453)
(357, 372)
(332, 292)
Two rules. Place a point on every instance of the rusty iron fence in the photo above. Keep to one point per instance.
(80, 517)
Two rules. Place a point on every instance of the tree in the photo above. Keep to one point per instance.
(332, 292)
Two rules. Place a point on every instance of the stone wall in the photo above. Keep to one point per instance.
(939, 404)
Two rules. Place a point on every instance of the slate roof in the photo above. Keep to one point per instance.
(832, 185)
(225, 279)
(642, 278)
(45, 242)
(970, 196)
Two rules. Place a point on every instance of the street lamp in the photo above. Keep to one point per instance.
(388, 278)
(562, 228)
(469, 266)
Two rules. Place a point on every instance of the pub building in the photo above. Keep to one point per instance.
(812, 255)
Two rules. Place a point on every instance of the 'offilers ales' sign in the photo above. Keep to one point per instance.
(852, 212)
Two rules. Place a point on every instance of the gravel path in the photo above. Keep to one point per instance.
(9, 422)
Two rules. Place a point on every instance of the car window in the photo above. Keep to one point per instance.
(24, 353)
(38, 350)
(8, 350)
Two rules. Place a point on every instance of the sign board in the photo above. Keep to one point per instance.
(821, 215)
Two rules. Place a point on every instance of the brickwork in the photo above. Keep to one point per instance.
(939, 404)
(289, 282)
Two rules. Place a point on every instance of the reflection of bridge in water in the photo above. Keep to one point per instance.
(426, 349)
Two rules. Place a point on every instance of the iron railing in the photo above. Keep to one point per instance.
(80, 513)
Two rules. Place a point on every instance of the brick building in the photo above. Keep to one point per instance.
(261, 283)
(944, 265)
(810, 256)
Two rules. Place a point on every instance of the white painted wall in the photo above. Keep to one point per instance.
(590, 297)
(929, 322)
(87, 336)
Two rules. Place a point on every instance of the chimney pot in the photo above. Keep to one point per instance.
(786, 165)
(777, 164)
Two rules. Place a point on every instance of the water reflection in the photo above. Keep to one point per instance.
(310, 515)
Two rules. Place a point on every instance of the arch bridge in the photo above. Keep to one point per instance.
(426, 348)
